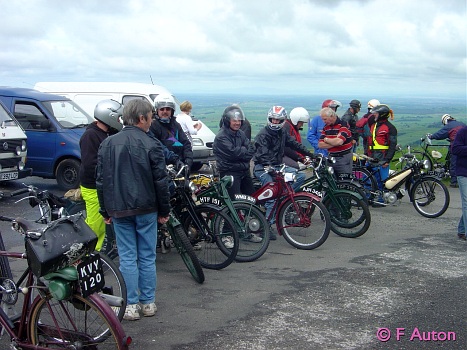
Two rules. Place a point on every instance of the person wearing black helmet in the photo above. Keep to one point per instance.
(108, 114)
(382, 141)
(449, 130)
(351, 118)
(233, 151)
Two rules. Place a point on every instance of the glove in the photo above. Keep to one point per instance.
(428, 136)
(301, 166)
(179, 164)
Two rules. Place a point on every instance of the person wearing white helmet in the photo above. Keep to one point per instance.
(448, 132)
(298, 116)
(108, 114)
(165, 128)
(362, 124)
(269, 144)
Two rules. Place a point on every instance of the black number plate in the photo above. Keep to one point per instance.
(91, 275)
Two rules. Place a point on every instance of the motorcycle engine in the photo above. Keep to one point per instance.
(390, 197)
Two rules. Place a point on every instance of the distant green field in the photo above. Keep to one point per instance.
(414, 117)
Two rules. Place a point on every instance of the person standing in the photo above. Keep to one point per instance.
(351, 118)
(449, 130)
(362, 125)
(132, 187)
(459, 149)
(316, 125)
(107, 114)
(382, 142)
(270, 143)
(337, 139)
(186, 122)
(166, 129)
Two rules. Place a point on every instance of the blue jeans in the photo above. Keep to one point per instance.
(136, 242)
(462, 182)
(266, 177)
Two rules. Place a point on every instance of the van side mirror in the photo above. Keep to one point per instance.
(46, 125)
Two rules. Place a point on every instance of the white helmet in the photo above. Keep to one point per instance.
(445, 118)
(373, 103)
(164, 100)
(299, 114)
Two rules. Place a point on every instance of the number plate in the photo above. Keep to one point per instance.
(9, 176)
(91, 275)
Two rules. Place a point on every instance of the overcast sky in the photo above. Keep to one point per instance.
(406, 47)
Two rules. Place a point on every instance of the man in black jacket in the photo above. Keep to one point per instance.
(167, 130)
(133, 192)
(351, 118)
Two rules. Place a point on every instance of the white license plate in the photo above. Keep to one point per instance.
(91, 275)
(9, 176)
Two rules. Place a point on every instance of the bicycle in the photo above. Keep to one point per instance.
(252, 226)
(51, 208)
(60, 309)
(350, 217)
(300, 217)
(209, 228)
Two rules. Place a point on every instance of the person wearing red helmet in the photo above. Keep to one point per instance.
(316, 125)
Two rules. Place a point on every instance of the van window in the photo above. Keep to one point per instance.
(29, 116)
(5, 119)
(89, 101)
(127, 98)
(67, 113)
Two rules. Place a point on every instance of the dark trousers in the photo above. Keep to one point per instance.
(242, 183)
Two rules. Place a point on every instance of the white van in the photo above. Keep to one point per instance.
(88, 94)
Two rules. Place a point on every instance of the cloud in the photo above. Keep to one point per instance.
(257, 45)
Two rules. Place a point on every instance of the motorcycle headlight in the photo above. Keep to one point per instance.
(332, 159)
(426, 164)
(330, 170)
(228, 180)
(192, 187)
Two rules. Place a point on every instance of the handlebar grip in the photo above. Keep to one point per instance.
(18, 192)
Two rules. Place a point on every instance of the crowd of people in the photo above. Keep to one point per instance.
(124, 181)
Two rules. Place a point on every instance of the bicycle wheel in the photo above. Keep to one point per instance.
(186, 251)
(367, 180)
(75, 323)
(253, 233)
(430, 197)
(114, 283)
(352, 186)
(214, 234)
(6, 280)
(350, 216)
(304, 222)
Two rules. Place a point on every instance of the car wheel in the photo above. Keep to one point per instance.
(67, 174)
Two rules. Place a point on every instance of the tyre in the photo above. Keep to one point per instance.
(215, 236)
(254, 231)
(352, 186)
(350, 215)
(114, 283)
(367, 181)
(186, 251)
(430, 197)
(75, 323)
(306, 229)
(67, 174)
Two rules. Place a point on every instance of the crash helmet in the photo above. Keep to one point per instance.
(373, 103)
(164, 100)
(326, 103)
(109, 112)
(445, 118)
(355, 104)
(382, 110)
(233, 112)
(299, 114)
(334, 105)
(277, 112)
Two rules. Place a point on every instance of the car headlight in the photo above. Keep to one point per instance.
(18, 150)
(23, 146)
(197, 142)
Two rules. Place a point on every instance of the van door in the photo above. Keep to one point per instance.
(41, 135)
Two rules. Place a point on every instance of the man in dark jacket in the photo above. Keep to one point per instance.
(351, 118)
(233, 151)
(270, 144)
(167, 130)
(107, 114)
(459, 149)
(448, 132)
(133, 192)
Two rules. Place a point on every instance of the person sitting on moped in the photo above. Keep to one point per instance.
(449, 130)
(381, 143)
(298, 116)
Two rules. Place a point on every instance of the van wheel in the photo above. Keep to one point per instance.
(67, 174)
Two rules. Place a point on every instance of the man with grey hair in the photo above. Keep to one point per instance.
(337, 139)
(132, 187)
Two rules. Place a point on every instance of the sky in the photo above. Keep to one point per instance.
(315, 47)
